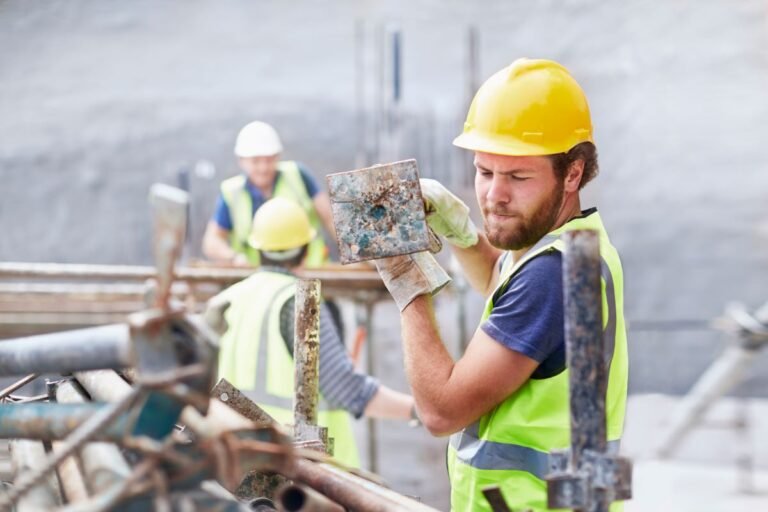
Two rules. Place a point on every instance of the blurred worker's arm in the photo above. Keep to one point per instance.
(448, 216)
(390, 404)
(323, 207)
(342, 386)
(216, 246)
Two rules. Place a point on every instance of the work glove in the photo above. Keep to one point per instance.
(406, 277)
(447, 215)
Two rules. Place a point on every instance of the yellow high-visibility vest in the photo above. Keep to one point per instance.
(289, 185)
(253, 356)
(509, 446)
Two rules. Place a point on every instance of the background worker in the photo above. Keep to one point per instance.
(505, 401)
(256, 350)
(258, 149)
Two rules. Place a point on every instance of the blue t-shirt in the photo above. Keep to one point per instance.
(221, 213)
(528, 315)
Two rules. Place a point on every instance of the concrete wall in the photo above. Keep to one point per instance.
(100, 99)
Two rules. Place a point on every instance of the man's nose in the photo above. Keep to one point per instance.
(498, 190)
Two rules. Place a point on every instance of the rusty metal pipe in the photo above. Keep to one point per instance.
(306, 352)
(108, 346)
(300, 498)
(103, 463)
(353, 492)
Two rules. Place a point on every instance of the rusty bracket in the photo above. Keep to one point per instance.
(608, 476)
(378, 211)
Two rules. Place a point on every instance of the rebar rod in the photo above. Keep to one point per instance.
(17, 385)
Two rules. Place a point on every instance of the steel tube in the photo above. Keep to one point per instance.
(588, 374)
(300, 498)
(108, 346)
(103, 463)
(353, 492)
(306, 352)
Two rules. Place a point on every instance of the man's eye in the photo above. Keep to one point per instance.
(519, 178)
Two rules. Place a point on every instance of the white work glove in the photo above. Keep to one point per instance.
(447, 215)
(406, 277)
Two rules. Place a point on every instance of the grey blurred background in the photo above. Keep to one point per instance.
(100, 99)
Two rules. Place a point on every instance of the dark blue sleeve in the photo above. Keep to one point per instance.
(309, 182)
(528, 316)
(221, 214)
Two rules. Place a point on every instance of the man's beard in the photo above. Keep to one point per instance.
(529, 230)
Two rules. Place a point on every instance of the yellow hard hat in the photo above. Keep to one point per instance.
(531, 107)
(280, 225)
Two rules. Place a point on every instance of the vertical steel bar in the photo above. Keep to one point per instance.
(306, 351)
(370, 360)
(588, 377)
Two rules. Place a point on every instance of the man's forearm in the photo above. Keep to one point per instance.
(428, 365)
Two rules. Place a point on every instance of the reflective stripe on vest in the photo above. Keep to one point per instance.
(485, 454)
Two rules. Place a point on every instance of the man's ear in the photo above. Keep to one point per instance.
(573, 176)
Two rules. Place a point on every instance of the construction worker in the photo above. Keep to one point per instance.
(258, 149)
(505, 401)
(256, 349)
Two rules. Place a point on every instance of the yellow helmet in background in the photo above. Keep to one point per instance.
(531, 107)
(280, 225)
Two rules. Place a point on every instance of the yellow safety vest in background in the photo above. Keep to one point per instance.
(289, 185)
(509, 446)
(253, 356)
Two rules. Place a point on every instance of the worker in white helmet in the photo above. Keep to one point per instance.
(264, 176)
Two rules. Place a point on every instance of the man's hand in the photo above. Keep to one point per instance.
(407, 277)
(447, 215)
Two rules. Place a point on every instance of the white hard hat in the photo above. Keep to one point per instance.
(257, 139)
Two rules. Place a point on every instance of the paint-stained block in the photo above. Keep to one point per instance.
(378, 211)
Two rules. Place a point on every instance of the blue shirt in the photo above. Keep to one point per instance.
(528, 315)
(221, 213)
